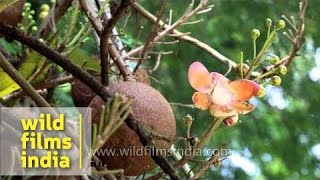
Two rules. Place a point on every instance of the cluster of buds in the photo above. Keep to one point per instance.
(272, 76)
(28, 22)
(275, 80)
(276, 72)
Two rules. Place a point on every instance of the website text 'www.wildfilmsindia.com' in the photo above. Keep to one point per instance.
(144, 151)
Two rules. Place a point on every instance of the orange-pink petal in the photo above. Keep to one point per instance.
(221, 95)
(242, 107)
(244, 89)
(199, 77)
(221, 111)
(201, 100)
(230, 120)
(218, 78)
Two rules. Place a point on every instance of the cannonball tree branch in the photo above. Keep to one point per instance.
(153, 34)
(181, 36)
(88, 8)
(91, 82)
(105, 41)
(107, 47)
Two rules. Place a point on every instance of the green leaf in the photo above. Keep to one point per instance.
(7, 84)
(83, 59)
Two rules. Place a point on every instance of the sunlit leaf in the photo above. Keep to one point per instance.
(7, 85)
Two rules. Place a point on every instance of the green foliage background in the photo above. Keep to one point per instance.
(277, 141)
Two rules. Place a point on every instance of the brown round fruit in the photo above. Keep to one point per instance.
(153, 112)
(82, 95)
(12, 14)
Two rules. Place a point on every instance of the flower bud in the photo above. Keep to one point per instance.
(43, 14)
(26, 5)
(281, 24)
(274, 59)
(34, 28)
(229, 121)
(268, 22)
(188, 120)
(255, 33)
(45, 7)
(262, 92)
(276, 80)
(22, 28)
(30, 17)
(282, 69)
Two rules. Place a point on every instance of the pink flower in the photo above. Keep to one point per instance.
(223, 98)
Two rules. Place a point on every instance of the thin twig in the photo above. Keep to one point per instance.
(168, 29)
(204, 138)
(105, 43)
(167, 43)
(214, 159)
(88, 8)
(181, 36)
(297, 40)
(193, 22)
(157, 65)
(152, 35)
(122, 66)
(299, 35)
